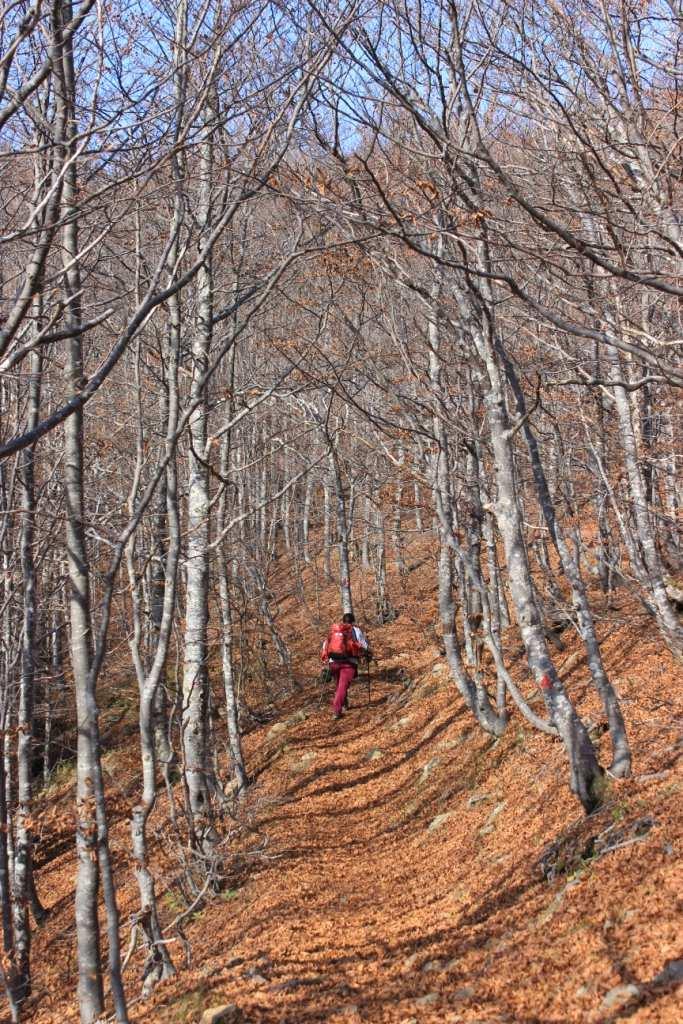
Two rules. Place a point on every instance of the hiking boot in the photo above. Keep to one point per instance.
(336, 714)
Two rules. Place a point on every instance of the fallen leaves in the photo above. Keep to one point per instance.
(362, 908)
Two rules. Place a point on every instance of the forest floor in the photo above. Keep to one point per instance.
(401, 866)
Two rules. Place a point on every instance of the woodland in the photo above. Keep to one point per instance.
(322, 307)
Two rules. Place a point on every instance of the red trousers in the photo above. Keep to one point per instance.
(343, 672)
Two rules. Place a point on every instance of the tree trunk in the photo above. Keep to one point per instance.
(24, 829)
(195, 717)
(90, 988)
(586, 774)
(306, 519)
(472, 691)
(237, 765)
(343, 533)
(327, 531)
(8, 981)
(621, 754)
(397, 518)
(665, 615)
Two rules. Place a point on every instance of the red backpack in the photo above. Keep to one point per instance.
(341, 643)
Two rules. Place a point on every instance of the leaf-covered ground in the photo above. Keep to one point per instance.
(401, 866)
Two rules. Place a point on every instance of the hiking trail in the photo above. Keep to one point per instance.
(400, 865)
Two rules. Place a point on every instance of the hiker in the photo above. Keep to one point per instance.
(344, 644)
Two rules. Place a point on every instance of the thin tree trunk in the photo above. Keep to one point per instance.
(150, 676)
(8, 982)
(397, 518)
(164, 754)
(54, 683)
(665, 615)
(365, 541)
(418, 507)
(586, 775)
(195, 719)
(621, 754)
(472, 691)
(385, 612)
(91, 830)
(343, 533)
(672, 475)
(231, 703)
(24, 829)
(327, 529)
(90, 987)
(306, 520)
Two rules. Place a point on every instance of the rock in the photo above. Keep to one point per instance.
(403, 722)
(672, 974)
(487, 827)
(227, 1014)
(408, 811)
(461, 995)
(451, 744)
(299, 716)
(619, 996)
(256, 976)
(496, 811)
(438, 821)
(428, 1000)
(210, 970)
(410, 961)
(374, 755)
(276, 729)
(478, 798)
(428, 768)
(304, 762)
(294, 983)
(432, 965)
(235, 961)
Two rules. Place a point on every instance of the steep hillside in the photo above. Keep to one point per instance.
(401, 866)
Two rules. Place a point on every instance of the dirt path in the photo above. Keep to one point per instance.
(330, 920)
(392, 874)
(347, 886)
(401, 882)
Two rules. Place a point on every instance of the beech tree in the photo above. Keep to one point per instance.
(282, 286)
